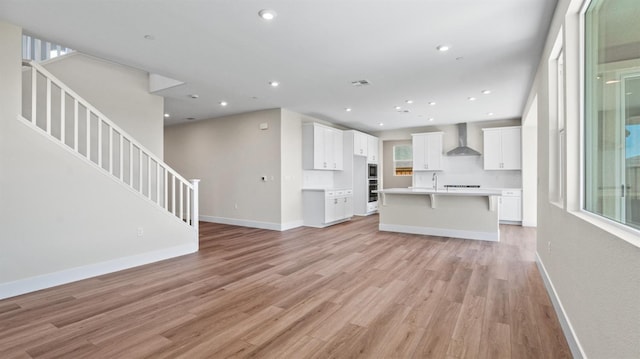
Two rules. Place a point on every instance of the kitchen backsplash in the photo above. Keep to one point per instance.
(317, 179)
(468, 170)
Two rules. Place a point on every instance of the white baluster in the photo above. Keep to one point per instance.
(131, 164)
(158, 184)
(121, 158)
(140, 170)
(166, 189)
(194, 207)
(75, 125)
(99, 142)
(173, 194)
(110, 129)
(88, 134)
(63, 126)
(181, 200)
(148, 175)
(48, 114)
(188, 206)
(34, 94)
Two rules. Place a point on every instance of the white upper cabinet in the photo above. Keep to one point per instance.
(360, 143)
(322, 147)
(502, 148)
(427, 151)
(372, 149)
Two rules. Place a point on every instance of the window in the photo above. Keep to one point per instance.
(612, 110)
(402, 160)
(556, 122)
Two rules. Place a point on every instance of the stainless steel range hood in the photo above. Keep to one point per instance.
(462, 149)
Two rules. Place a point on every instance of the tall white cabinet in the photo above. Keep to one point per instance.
(322, 147)
(427, 151)
(502, 148)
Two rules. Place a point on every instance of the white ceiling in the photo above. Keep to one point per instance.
(223, 50)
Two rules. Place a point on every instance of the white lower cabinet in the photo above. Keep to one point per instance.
(323, 208)
(511, 206)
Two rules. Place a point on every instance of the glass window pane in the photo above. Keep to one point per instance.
(612, 110)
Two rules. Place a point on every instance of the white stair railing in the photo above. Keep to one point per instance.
(52, 107)
(41, 50)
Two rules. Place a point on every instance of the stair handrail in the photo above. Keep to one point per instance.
(190, 216)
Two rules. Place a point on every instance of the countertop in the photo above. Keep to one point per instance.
(326, 189)
(443, 191)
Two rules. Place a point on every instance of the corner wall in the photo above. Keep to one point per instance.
(291, 154)
(230, 155)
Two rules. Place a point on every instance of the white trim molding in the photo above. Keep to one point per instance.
(252, 224)
(565, 323)
(441, 232)
(32, 284)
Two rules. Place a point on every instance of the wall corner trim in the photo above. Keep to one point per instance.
(565, 323)
(32, 284)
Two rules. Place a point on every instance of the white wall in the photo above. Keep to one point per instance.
(120, 92)
(291, 154)
(61, 219)
(229, 155)
(530, 166)
(595, 272)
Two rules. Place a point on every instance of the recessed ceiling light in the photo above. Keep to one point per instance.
(432, 103)
(267, 14)
(381, 124)
(149, 37)
(274, 83)
(194, 96)
(409, 101)
(166, 115)
(489, 113)
(398, 108)
(431, 119)
(442, 48)
(223, 103)
(348, 109)
(472, 99)
(486, 92)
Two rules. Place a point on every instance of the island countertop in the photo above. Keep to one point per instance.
(443, 191)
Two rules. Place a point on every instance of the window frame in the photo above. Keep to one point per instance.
(395, 171)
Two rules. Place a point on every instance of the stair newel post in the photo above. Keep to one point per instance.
(195, 216)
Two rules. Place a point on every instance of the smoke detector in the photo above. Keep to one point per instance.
(360, 83)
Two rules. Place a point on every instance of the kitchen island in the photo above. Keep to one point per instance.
(467, 213)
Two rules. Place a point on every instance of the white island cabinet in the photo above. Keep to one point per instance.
(427, 151)
(470, 214)
(324, 207)
(502, 148)
(511, 206)
(322, 147)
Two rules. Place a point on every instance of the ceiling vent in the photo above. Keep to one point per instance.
(360, 83)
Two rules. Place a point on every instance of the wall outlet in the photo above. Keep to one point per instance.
(549, 247)
(140, 231)
(235, 206)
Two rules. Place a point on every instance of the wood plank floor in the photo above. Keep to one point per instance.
(341, 292)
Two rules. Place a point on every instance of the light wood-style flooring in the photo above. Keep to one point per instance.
(341, 292)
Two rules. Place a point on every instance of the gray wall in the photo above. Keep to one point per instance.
(61, 218)
(120, 92)
(593, 266)
(229, 155)
(390, 180)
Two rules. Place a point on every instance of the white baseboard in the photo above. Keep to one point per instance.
(565, 323)
(32, 284)
(252, 224)
(441, 232)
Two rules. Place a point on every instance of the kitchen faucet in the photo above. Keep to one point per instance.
(434, 181)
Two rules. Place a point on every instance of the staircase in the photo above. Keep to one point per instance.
(57, 112)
